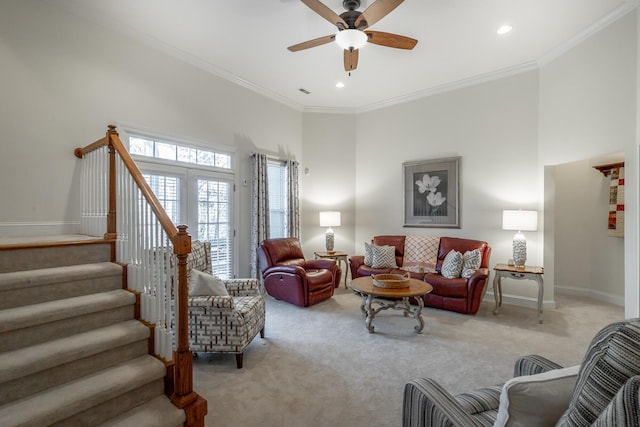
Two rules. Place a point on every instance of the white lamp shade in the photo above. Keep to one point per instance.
(351, 39)
(520, 220)
(330, 219)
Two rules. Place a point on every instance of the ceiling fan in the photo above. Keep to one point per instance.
(351, 34)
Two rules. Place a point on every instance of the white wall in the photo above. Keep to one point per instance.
(329, 155)
(588, 109)
(491, 126)
(63, 80)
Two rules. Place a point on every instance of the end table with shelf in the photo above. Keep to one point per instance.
(517, 273)
(338, 257)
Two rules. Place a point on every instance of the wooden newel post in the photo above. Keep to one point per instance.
(183, 390)
(111, 233)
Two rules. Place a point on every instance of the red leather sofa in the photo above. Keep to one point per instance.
(461, 295)
(289, 277)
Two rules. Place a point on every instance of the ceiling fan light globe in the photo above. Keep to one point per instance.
(351, 39)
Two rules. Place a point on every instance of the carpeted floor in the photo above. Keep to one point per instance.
(319, 366)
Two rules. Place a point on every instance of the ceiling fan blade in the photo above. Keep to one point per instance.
(391, 40)
(350, 59)
(376, 11)
(325, 12)
(312, 43)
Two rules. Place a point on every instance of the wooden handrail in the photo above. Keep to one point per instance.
(80, 152)
(112, 139)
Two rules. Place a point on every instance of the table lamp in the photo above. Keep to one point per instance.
(329, 219)
(520, 221)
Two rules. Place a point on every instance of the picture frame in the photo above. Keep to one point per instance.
(432, 193)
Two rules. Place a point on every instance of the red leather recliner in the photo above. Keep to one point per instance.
(289, 277)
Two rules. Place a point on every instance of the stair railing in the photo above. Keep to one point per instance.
(119, 205)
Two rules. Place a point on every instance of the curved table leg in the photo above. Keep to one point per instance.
(370, 314)
(497, 292)
(418, 315)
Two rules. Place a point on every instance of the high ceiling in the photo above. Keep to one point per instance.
(246, 41)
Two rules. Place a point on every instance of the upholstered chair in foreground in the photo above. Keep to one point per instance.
(289, 277)
(224, 315)
(602, 391)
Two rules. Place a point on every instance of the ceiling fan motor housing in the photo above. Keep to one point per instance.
(351, 4)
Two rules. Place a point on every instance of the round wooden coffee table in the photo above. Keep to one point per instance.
(385, 298)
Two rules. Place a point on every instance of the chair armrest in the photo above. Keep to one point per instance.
(624, 408)
(533, 364)
(320, 264)
(222, 303)
(354, 264)
(242, 287)
(425, 401)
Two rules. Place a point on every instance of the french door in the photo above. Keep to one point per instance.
(204, 201)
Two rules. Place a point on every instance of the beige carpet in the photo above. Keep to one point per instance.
(319, 366)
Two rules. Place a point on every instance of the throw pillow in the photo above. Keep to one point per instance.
(383, 256)
(470, 263)
(368, 254)
(204, 284)
(452, 265)
(536, 400)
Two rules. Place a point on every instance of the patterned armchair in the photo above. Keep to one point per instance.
(224, 324)
(603, 391)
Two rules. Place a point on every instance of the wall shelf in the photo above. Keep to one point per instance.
(606, 169)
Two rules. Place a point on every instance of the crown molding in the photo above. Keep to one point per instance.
(598, 26)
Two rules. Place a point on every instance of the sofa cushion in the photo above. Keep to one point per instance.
(442, 286)
(204, 284)
(383, 256)
(536, 400)
(452, 265)
(470, 263)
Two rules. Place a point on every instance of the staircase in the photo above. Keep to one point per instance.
(71, 350)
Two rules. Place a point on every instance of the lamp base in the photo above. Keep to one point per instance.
(519, 250)
(329, 241)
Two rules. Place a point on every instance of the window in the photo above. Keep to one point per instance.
(278, 195)
(194, 188)
(178, 153)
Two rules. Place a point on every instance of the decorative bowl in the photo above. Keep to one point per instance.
(391, 281)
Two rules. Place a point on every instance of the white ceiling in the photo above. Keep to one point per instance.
(245, 41)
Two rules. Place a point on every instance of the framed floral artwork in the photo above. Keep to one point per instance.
(431, 193)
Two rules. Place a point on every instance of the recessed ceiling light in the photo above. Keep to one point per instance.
(340, 84)
(504, 29)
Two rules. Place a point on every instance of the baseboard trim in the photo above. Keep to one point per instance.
(521, 301)
(590, 293)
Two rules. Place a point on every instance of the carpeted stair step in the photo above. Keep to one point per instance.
(47, 284)
(38, 367)
(32, 324)
(36, 256)
(91, 400)
(159, 412)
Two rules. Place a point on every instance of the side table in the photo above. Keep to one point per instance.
(512, 272)
(339, 257)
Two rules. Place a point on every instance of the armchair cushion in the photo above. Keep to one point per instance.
(536, 400)
(205, 284)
